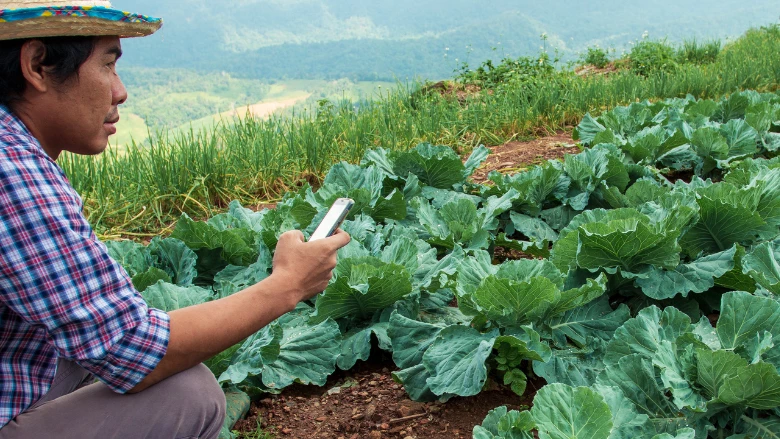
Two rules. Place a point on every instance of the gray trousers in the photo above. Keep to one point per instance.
(187, 405)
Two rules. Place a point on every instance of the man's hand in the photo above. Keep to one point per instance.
(307, 265)
(301, 270)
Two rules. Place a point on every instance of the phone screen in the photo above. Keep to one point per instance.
(332, 220)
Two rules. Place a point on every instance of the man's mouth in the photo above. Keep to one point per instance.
(112, 117)
(110, 124)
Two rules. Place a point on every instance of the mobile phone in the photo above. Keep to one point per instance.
(333, 219)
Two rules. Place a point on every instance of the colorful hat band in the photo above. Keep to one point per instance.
(11, 15)
(60, 21)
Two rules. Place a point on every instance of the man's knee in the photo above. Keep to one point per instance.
(199, 394)
(200, 382)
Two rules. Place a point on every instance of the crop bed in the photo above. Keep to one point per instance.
(649, 307)
(365, 402)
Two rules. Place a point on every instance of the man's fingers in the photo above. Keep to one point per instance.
(294, 234)
(339, 239)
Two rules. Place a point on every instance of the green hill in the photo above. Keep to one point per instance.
(389, 40)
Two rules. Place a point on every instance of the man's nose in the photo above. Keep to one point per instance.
(119, 92)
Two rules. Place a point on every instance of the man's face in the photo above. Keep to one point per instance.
(82, 112)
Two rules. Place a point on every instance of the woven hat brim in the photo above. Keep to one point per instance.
(74, 21)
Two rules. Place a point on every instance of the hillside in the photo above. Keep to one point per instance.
(628, 288)
(390, 40)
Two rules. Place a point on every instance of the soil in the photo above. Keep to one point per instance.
(515, 156)
(502, 254)
(591, 70)
(365, 402)
(450, 89)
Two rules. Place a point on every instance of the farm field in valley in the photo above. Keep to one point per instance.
(279, 98)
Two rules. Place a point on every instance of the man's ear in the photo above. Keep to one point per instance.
(32, 55)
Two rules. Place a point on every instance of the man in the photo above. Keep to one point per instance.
(67, 311)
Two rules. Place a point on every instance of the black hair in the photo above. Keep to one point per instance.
(64, 56)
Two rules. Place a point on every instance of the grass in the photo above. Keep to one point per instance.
(260, 433)
(142, 191)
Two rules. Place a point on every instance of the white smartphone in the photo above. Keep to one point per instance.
(333, 219)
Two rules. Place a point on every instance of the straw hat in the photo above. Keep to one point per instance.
(54, 18)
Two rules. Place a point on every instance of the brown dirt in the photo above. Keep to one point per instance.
(501, 254)
(369, 404)
(453, 89)
(611, 68)
(515, 156)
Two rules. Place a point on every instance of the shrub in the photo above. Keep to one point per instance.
(510, 71)
(652, 56)
(596, 56)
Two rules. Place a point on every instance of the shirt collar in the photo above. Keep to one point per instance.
(9, 121)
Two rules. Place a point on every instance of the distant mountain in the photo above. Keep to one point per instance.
(384, 39)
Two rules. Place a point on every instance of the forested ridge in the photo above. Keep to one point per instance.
(327, 39)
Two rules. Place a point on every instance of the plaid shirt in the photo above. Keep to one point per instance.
(61, 295)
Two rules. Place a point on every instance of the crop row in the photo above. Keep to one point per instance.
(629, 261)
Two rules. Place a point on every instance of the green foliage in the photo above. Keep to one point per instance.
(670, 377)
(595, 56)
(688, 134)
(503, 424)
(364, 286)
(647, 56)
(168, 98)
(168, 297)
(259, 433)
(509, 72)
(508, 362)
(560, 412)
(763, 265)
(275, 353)
(423, 235)
(693, 52)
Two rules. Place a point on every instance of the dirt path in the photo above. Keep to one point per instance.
(365, 402)
(264, 109)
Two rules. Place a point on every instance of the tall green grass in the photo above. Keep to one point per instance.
(694, 52)
(145, 189)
